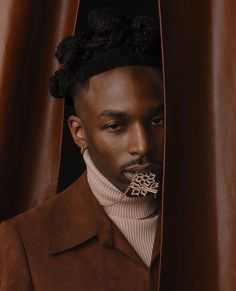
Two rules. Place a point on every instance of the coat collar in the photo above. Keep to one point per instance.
(77, 217)
(74, 220)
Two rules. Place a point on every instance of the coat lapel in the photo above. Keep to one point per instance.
(73, 222)
(110, 235)
(78, 217)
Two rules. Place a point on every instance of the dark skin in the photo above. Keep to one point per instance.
(120, 120)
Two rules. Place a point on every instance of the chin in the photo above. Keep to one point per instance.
(121, 182)
(122, 186)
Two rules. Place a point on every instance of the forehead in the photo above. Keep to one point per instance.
(125, 89)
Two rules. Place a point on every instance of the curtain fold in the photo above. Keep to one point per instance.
(199, 217)
(30, 120)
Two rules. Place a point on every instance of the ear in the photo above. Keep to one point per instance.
(77, 131)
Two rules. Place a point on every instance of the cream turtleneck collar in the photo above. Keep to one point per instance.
(113, 200)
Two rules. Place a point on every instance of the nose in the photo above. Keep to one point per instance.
(139, 141)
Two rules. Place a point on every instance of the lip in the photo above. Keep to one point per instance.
(142, 168)
(130, 171)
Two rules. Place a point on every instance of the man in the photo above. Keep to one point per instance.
(103, 232)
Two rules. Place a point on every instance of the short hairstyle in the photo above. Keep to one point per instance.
(110, 41)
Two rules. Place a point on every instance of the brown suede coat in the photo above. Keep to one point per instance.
(69, 243)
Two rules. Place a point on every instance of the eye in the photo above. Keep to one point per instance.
(113, 127)
(157, 121)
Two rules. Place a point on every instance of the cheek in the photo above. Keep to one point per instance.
(108, 148)
(158, 140)
(105, 141)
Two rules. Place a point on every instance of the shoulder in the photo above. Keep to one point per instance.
(35, 224)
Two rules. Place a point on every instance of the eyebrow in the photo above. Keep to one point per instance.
(156, 109)
(117, 113)
(109, 112)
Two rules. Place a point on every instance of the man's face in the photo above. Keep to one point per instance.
(121, 122)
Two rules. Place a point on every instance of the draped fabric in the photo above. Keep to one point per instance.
(199, 217)
(30, 120)
(199, 193)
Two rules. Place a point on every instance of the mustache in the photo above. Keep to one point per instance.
(142, 161)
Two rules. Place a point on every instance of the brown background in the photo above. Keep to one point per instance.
(199, 239)
(199, 48)
(30, 121)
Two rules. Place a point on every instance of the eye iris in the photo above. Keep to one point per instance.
(114, 126)
(157, 121)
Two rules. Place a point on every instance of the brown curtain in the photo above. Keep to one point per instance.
(199, 218)
(30, 120)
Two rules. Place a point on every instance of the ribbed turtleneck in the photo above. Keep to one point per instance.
(132, 215)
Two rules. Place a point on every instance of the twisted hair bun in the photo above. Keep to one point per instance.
(110, 41)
